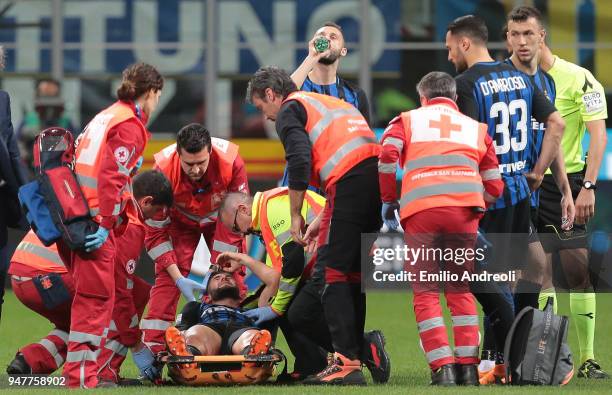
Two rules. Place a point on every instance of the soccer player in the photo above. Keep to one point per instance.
(582, 103)
(319, 73)
(505, 99)
(524, 35)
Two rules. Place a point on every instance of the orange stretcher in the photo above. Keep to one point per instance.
(201, 370)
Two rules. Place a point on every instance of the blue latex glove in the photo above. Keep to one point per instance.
(261, 314)
(137, 166)
(187, 286)
(95, 241)
(388, 215)
(144, 360)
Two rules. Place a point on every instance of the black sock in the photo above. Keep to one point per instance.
(526, 294)
(496, 307)
(488, 341)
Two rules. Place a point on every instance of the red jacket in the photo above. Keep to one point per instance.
(195, 203)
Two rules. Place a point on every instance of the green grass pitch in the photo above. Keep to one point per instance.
(391, 312)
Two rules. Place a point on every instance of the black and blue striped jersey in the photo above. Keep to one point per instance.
(343, 90)
(505, 99)
(543, 81)
(214, 313)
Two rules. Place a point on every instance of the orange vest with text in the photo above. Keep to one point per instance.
(339, 135)
(90, 148)
(202, 207)
(274, 243)
(32, 252)
(441, 160)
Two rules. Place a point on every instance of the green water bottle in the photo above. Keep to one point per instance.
(321, 44)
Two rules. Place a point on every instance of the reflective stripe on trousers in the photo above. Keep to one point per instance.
(439, 353)
(52, 349)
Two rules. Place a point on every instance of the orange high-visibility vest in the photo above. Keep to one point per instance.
(186, 203)
(32, 252)
(274, 242)
(89, 152)
(339, 135)
(441, 160)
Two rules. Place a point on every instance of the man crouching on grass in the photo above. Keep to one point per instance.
(218, 326)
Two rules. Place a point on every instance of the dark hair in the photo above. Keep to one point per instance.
(437, 84)
(471, 26)
(193, 138)
(137, 80)
(153, 183)
(522, 13)
(271, 77)
(503, 34)
(333, 24)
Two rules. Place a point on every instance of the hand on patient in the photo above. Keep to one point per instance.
(187, 287)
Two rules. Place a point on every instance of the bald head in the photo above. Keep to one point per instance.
(235, 211)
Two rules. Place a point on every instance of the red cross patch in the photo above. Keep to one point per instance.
(130, 266)
(122, 154)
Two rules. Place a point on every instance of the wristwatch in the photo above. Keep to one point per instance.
(589, 185)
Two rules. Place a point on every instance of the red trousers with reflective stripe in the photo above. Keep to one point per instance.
(92, 307)
(444, 227)
(131, 297)
(164, 294)
(46, 356)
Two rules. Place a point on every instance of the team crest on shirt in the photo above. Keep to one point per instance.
(122, 154)
(130, 266)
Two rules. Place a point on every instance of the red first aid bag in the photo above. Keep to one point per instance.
(53, 163)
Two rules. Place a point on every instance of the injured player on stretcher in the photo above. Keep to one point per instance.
(217, 325)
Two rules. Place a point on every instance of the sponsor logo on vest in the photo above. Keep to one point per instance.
(278, 224)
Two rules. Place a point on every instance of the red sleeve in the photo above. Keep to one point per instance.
(158, 243)
(124, 146)
(393, 143)
(489, 172)
(240, 182)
